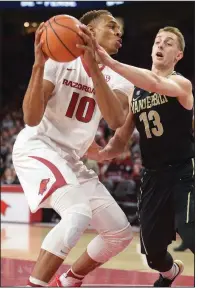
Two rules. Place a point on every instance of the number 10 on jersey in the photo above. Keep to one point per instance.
(85, 107)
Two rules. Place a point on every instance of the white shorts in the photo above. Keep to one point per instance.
(43, 170)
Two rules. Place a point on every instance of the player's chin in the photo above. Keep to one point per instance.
(114, 50)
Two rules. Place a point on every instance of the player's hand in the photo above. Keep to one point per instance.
(89, 45)
(102, 154)
(106, 154)
(40, 57)
(103, 56)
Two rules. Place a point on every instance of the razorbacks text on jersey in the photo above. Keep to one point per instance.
(72, 115)
(165, 128)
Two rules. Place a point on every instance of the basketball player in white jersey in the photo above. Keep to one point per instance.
(62, 107)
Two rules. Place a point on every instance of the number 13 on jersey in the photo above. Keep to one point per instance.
(153, 115)
(84, 110)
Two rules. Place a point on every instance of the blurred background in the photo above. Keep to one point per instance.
(141, 21)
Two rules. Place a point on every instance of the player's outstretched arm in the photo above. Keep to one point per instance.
(173, 86)
(113, 105)
(39, 90)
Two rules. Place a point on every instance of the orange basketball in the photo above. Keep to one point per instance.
(60, 36)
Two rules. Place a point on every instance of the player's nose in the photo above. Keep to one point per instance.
(161, 45)
(119, 33)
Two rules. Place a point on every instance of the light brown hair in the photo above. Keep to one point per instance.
(178, 33)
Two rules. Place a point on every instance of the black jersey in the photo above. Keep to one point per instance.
(165, 128)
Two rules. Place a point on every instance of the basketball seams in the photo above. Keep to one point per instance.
(48, 45)
(65, 26)
(62, 41)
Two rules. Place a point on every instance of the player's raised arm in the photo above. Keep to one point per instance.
(173, 85)
(39, 90)
(113, 105)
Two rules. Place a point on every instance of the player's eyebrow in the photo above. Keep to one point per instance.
(167, 38)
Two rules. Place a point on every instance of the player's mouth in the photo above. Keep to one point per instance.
(119, 43)
(159, 55)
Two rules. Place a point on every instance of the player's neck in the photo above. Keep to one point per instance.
(161, 71)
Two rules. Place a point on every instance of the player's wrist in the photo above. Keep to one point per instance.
(37, 65)
(112, 63)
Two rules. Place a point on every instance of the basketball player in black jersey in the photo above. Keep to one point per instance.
(162, 111)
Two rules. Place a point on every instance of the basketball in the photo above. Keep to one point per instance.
(60, 36)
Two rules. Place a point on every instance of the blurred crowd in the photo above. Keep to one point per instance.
(125, 167)
(11, 125)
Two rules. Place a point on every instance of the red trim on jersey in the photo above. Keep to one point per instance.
(86, 68)
(11, 189)
(60, 181)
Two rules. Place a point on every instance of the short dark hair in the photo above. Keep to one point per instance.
(92, 15)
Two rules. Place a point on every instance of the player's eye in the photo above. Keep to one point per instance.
(112, 26)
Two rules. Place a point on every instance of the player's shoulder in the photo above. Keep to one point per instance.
(180, 79)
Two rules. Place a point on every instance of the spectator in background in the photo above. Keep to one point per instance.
(9, 177)
(7, 122)
(135, 147)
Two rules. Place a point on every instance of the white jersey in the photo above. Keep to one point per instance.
(72, 115)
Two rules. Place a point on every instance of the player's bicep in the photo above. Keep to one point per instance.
(175, 86)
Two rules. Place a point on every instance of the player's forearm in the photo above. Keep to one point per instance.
(34, 103)
(142, 78)
(108, 103)
(119, 141)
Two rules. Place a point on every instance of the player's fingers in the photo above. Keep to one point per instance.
(84, 47)
(85, 30)
(38, 33)
(40, 44)
(86, 38)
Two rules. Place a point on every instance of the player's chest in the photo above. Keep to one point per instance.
(74, 80)
(146, 101)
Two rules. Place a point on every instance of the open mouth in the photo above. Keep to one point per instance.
(159, 54)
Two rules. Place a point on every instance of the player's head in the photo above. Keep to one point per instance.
(105, 29)
(168, 47)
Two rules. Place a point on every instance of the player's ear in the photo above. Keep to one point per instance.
(91, 29)
(179, 56)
